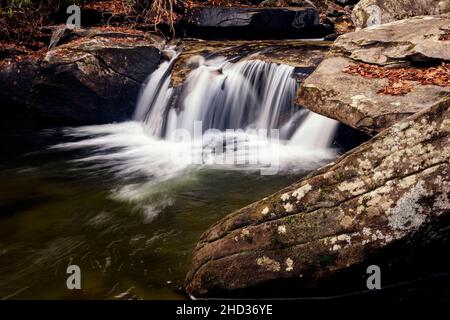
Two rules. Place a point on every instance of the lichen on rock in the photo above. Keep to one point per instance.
(357, 217)
(268, 264)
(408, 213)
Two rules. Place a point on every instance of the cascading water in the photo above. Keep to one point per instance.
(249, 95)
(153, 99)
(114, 199)
(223, 95)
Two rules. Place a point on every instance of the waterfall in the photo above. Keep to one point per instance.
(315, 132)
(154, 98)
(250, 94)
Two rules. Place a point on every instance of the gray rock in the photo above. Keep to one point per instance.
(355, 100)
(415, 39)
(374, 12)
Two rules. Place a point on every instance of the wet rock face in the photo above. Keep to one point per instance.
(254, 23)
(94, 76)
(357, 100)
(375, 12)
(336, 218)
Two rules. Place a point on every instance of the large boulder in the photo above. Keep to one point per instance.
(254, 22)
(377, 76)
(367, 203)
(374, 12)
(94, 75)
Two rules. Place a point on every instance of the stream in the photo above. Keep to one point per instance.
(130, 238)
(114, 200)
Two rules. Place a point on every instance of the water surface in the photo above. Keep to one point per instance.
(132, 234)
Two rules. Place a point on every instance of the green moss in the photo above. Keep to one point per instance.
(276, 242)
(327, 259)
(290, 221)
(324, 192)
(365, 200)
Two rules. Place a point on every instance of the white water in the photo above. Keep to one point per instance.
(155, 96)
(223, 95)
(246, 95)
(316, 132)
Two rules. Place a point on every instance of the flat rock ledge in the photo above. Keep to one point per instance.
(419, 42)
(374, 12)
(337, 217)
